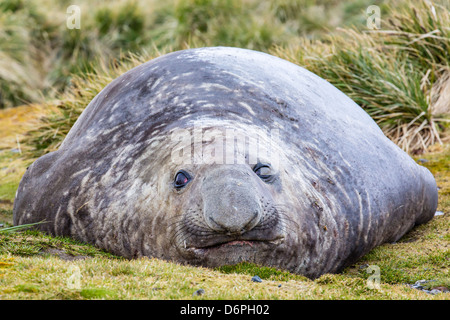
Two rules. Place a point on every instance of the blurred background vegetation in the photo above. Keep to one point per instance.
(400, 73)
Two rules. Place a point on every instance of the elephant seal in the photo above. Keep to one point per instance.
(214, 156)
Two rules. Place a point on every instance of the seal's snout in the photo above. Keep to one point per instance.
(234, 215)
(230, 207)
(232, 222)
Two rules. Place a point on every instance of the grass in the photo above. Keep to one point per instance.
(48, 277)
(18, 228)
(14, 124)
(399, 74)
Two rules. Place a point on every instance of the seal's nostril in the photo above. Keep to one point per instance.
(253, 221)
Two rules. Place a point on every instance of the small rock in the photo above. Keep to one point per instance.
(442, 289)
(363, 266)
(279, 286)
(439, 213)
(1, 225)
(199, 292)
(418, 284)
(256, 279)
(15, 150)
(434, 291)
(423, 160)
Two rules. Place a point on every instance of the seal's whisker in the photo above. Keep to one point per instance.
(180, 230)
(286, 217)
(186, 231)
(174, 224)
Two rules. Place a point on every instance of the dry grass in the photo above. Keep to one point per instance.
(52, 278)
(14, 123)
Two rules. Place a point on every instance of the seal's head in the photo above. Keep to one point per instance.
(226, 199)
(229, 214)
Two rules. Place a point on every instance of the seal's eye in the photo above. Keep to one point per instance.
(181, 179)
(263, 171)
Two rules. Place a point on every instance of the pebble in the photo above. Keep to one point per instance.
(199, 292)
(423, 160)
(442, 289)
(435, 291)
(256, 279)
(1, 225)
(419, 286)
(439, 213)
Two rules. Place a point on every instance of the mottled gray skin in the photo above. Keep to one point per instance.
(340, 188)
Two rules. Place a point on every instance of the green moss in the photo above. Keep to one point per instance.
(6, 216)
(439, 165)
(122, 270)
(27, 287)
(8, 190)
(32, 242)
(97, 293)
(263, 272)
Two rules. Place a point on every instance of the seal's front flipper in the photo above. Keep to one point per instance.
(34, 183)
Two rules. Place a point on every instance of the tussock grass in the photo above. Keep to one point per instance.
(399, 74)
(39, 54)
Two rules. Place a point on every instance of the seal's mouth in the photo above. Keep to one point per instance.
(236, 245)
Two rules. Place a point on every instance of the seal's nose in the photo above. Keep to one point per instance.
(230, 204)
(232, 212)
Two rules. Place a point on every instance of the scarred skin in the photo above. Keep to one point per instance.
(336, 187)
